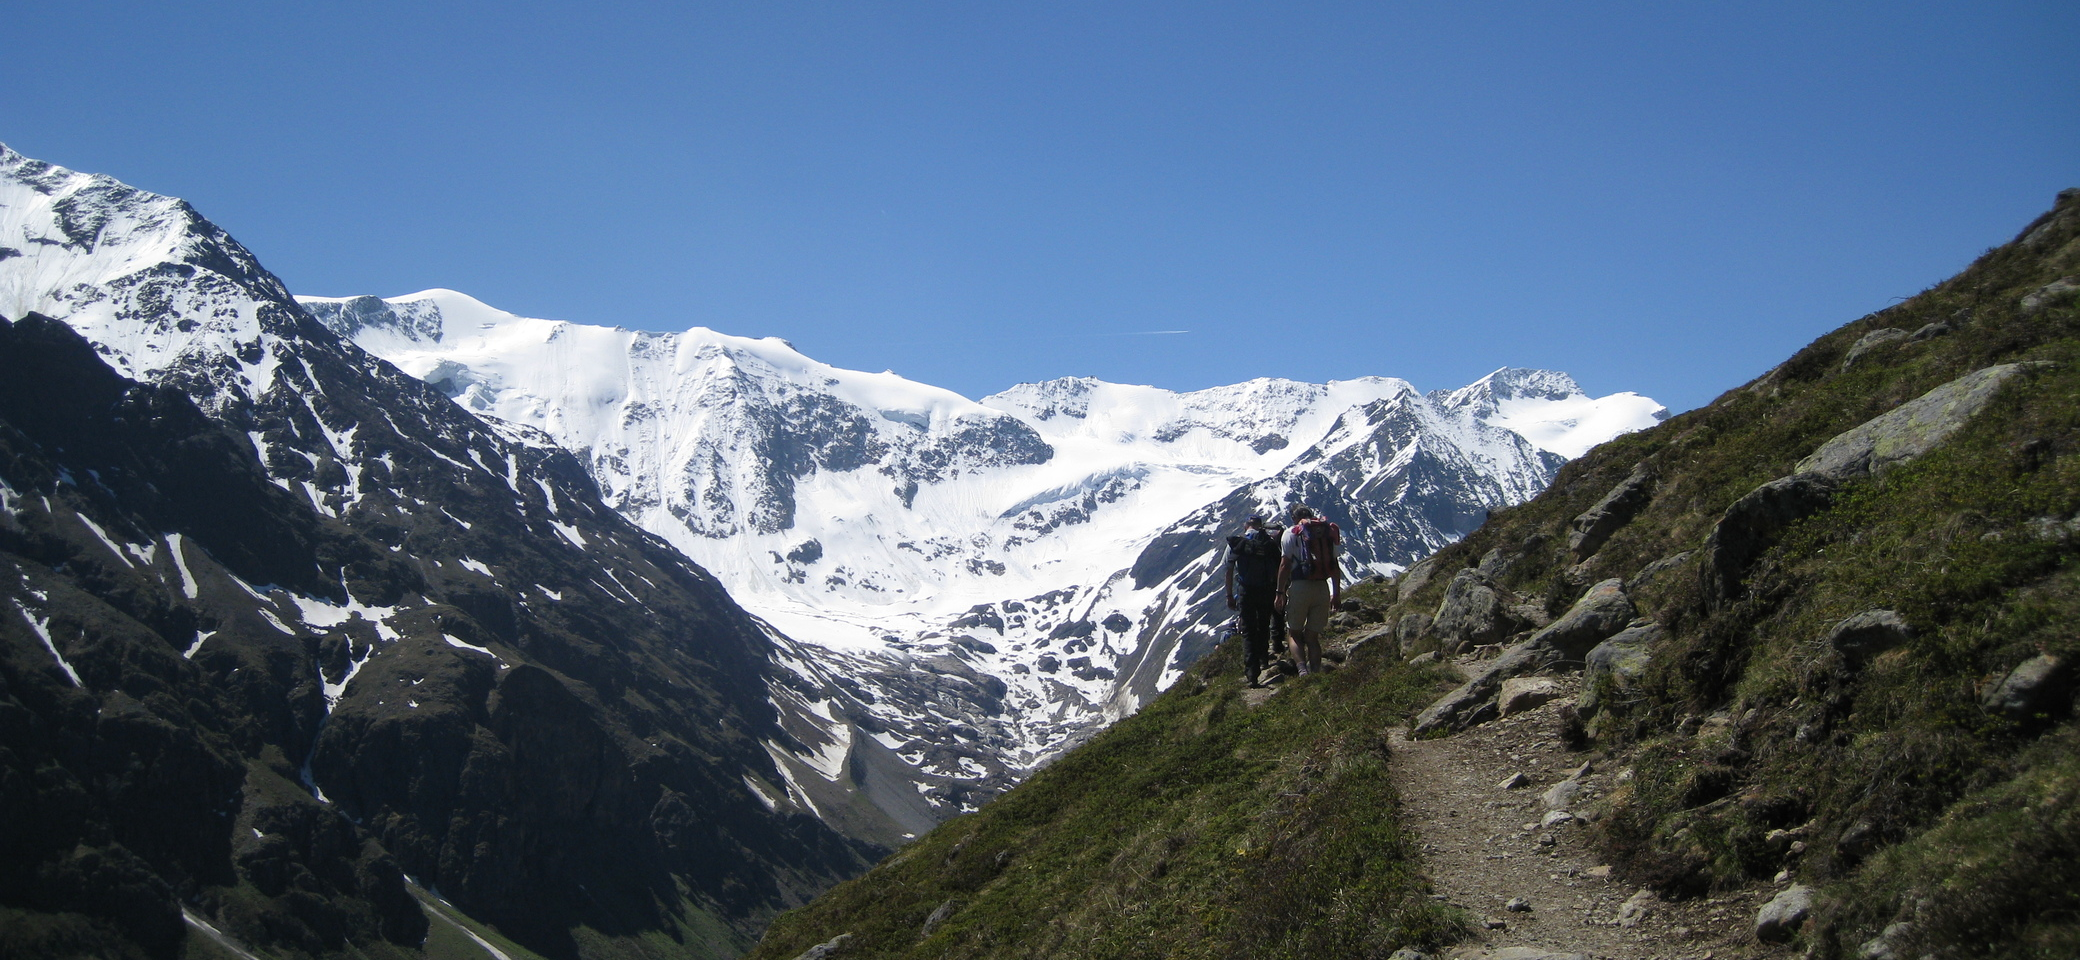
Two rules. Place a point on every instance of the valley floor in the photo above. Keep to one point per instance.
(1484, 846)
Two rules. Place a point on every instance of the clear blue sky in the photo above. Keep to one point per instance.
(1660, 197)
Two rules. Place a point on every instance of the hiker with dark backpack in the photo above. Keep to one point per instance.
(1253, 567)
(1310, 583)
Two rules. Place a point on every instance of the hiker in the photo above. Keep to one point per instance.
(1252, 565)
(1310, 583)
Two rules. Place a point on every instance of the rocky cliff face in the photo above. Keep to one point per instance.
(287, 626)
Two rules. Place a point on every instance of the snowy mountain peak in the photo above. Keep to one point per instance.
(155, 286)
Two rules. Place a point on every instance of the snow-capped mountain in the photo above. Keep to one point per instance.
(979, 583)
(348, 626)
(498, 512)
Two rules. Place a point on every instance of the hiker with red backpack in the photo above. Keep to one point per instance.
(1253, 561)
(1310, 583)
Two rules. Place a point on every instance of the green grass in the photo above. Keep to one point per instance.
(1200, 827)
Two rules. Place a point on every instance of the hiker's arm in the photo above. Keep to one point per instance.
(1228, 574)
(1285, 577)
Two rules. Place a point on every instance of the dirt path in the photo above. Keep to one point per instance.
(1486, 845)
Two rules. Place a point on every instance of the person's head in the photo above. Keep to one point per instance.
(1300, 512)
(1256, 521)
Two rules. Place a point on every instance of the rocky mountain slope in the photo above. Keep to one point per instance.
(1795, 669)
(971, 586)
(289, 635)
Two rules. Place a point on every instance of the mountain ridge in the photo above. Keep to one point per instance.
(879, 523)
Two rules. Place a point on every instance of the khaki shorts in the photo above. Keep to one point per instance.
(1307, 606)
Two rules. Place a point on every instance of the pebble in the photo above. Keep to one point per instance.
(1517, 905)
(1515, 781)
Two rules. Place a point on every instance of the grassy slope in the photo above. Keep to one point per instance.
(1200, 827)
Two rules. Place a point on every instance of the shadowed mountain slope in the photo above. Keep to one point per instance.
(286, 626)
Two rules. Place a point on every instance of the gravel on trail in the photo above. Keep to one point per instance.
(1530, 880)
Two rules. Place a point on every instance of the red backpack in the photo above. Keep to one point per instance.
(1317, 559)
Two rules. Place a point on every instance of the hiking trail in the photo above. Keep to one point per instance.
(1535, 890)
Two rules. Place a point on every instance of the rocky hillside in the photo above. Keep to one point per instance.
(1816, 649)
(289, 638)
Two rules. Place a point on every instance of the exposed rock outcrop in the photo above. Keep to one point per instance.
(2040, 686)
(1911, 429)
(1615, 666)
(1610, 514)
(1601, 612)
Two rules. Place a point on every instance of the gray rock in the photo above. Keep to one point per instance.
(1600, 613)
(1872, 341)
(1527, 693)
(1610, 514)
(1886, 945)
(1780, 918)
(1754, 523)
(1932, 331)
(1517, 905)
(2038, 686)
(1636, 908)
(1408, 953)
(1471, 613)
(1473, 702)
(1494, 564)
(2049, 294)
(1616, 665)
(826, 948)
(1555, 818)
(938, 917)
(1411, 630)
(1869, 633)
(1910, 429)
(1415, 578)
(1427, 656)
(1515, 781)
(1562, 795)
(1383, 632)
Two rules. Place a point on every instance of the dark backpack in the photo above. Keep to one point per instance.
(1317, 559)
(1255, 557)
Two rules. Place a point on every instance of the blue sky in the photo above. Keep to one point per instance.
(1667, 198)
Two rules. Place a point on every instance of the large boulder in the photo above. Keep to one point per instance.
(1414, 580)
(1616, 665)
(1610, 514)
(1754, 523)
(1869, 633)
(1910, 429)
(1410, 631)
(1520, 694)
(2040, 687)
(1780, 918)
(1599, 614)
(1472, 613)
